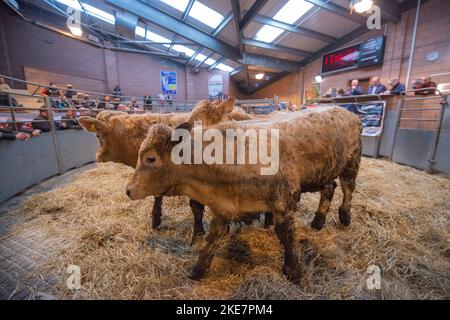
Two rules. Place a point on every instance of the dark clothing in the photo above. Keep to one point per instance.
(148, 103)
(51, 92)
(43, 126)
(354, 91)
(398, 89)
(6, 134)
(4, 100)
(117, 92)
(71, 123)
(69, 94)
(430, 86)
(378, 89)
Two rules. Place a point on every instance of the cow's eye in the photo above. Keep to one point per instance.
(150, 160)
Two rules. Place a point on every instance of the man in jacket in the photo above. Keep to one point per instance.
(376, 87)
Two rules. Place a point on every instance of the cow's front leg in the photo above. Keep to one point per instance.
(219, 229)
(284, 230)
(198, 210)
(157, 212)
(326, 195)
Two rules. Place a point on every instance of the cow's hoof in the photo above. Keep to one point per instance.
(197, 274)
(318, 222)
(344, 217)
(156, 221)
(292, 274)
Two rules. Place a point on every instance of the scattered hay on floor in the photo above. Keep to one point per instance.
(400, 223)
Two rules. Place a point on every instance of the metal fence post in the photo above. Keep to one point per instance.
(432, 159)
(51, 119)
(397, 124)
(11, 110)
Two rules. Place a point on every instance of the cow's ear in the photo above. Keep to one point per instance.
(185, 125)
(227, 106)
(92, 124)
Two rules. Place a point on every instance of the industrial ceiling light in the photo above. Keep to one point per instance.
(318, 79)
(76, 31)
(361, 6)
(259, 76)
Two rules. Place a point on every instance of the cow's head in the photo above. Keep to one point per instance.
(110, 133)
(210, 113)
(155, 173)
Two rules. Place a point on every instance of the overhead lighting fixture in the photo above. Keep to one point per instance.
(361, 6)
(318, 79)
(259, 76)
(76, 31)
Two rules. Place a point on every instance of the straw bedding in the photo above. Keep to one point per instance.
(400, 223)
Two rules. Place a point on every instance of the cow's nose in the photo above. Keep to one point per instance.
(128, 193)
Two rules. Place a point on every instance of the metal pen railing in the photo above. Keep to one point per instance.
(439, 120)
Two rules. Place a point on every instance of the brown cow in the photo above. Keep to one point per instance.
(330, 147)
(120, 136)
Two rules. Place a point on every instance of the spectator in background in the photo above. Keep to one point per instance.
(376, 87)
(7, 134)
(394, 87)
(63, 103)
(88, 103)
(340, 93)
(3, 85)
(70, 119)
(355, 89)
(116, 103)
(117, 92)
(162, 99)
(426, 87)
(69, 92)
(51, 91)
(105, 103)
(168, 99)
(148, 103)
(43, 123)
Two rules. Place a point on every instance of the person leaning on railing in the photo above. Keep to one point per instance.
(42, 123)
(70, 120)
(425, 87)
(3, 85)
(11, 135)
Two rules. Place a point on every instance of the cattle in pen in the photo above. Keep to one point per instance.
(330, 148)
(120, 136)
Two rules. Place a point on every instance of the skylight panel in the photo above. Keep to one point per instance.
(187, 51)
(205, 15)
(224, 67)
(157, 38)
(71, 3)
(200, 57)
(268, 33)
(292, 11)
(210, 61)
(180, 5)
(140, 31)
(100, 14)
(90, 10)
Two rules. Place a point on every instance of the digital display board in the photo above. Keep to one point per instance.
(368, 53)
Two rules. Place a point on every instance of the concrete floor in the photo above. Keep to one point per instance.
(24, 251)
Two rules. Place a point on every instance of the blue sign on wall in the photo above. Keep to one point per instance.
(168, 82)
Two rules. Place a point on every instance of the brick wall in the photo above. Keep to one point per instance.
(433, 34)
(49, 56)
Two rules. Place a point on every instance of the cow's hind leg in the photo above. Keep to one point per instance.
(198, 210)
(284, 230)
(326, 195)
(219, 229)
(268, 219)
(157, 212)
(348, 184)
